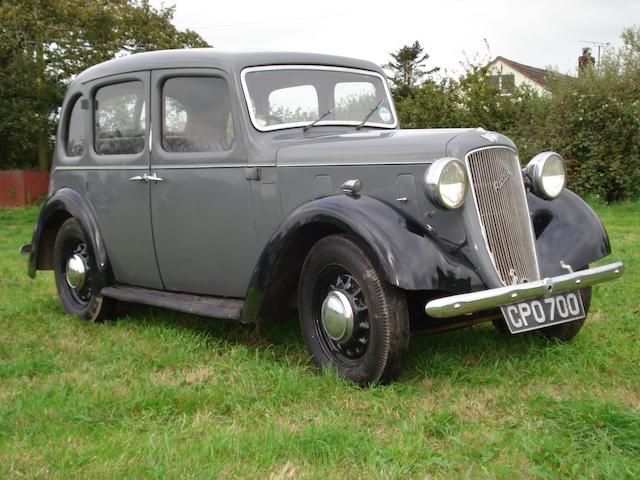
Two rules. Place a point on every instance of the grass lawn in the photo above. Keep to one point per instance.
(160, 394)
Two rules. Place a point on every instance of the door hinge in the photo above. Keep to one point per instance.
(252, 173)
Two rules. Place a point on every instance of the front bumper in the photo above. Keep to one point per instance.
(457, 305)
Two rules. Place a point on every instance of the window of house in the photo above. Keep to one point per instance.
(76, 135)
(120, 119)
(505, 83)
(196, 115)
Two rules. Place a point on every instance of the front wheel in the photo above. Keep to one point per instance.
(562, 332)
(566, 331)
(75, 269)
(352, 320)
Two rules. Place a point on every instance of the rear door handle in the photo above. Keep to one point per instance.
(153, 178)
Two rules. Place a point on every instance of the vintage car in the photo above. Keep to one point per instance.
(244, 185)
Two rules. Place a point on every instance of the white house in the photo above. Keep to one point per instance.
(507, 74)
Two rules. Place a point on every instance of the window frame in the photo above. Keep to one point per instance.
(282, 126)
(162, 159)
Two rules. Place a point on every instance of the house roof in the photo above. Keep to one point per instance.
(537, 75)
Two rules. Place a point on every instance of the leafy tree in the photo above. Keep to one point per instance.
(45, 43)
(408, 68)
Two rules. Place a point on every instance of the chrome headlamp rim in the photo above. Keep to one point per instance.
(535, 171)
(432, 179)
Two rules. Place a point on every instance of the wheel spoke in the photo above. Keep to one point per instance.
(360, 306)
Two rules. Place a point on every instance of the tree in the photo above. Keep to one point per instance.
(593, 121)
(45, 43)
(408, 68)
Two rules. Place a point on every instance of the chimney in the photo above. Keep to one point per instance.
(585, 60)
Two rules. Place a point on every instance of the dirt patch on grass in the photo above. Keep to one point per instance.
(176, 377)
(288, 470)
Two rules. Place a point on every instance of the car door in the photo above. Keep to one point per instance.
(203, 225)
(116, 176)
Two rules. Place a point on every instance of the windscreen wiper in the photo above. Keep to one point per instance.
(371, 112)
(308, 126)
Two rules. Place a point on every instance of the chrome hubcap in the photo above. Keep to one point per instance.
(337, 317)
(342, 316)
(76, 271)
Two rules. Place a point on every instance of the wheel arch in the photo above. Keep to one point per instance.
(399, 249)
(64, 204)
(566, 230)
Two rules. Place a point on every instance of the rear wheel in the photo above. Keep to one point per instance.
(352, 320)
(75, 271)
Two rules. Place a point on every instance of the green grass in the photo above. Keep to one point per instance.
(159, 394)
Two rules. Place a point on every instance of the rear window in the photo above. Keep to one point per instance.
(120, 119)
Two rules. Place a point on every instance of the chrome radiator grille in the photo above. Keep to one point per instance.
(498, 192)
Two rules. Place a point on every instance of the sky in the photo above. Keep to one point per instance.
(542, 33)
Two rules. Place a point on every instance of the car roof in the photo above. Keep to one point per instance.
(229, 61)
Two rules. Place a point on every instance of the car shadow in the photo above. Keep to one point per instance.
(481, 348)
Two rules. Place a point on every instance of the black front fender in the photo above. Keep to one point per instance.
(566, 230)
(66, 203)
(405, 253)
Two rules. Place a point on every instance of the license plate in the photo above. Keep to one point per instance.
(543, 312)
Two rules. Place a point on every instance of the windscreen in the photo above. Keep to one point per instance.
(286, 97)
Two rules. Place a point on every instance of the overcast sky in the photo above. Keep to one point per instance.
(540, 33)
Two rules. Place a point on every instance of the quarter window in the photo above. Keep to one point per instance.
(76, 136)
(120, 119)
(196, 115)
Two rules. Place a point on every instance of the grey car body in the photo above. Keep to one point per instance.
(226, 233)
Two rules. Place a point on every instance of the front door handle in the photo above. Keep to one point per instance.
(153, 178)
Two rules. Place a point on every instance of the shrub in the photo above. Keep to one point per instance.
(593, 121)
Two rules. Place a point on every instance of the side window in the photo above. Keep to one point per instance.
(196, 115)
(293, 104)
(75, 131)
(120, 119)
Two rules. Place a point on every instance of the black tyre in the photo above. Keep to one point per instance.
(75, 269)
(566, 331)
(352, 320)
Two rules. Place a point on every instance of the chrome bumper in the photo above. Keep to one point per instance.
(457, 305)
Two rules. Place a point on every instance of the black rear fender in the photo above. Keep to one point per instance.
(62, 205)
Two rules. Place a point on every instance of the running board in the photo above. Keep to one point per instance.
(217, 307)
